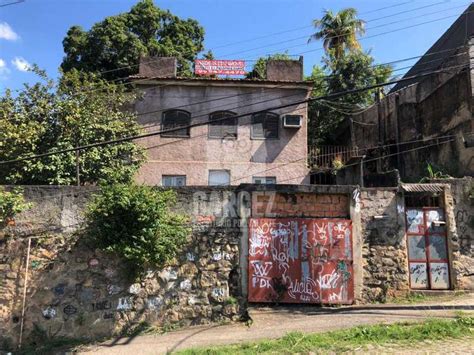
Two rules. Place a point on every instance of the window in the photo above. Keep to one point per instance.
(221, 127)
(173, 119)
(173, 180)
(265, 125)
(219, 177)
(264, 180)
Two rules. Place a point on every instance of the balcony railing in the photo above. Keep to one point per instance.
(324, 156)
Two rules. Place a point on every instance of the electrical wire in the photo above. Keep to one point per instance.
(130, 138)
(336, 36)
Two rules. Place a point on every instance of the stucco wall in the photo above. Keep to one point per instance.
(244, 157)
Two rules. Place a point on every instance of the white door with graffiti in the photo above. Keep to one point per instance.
(427, 248)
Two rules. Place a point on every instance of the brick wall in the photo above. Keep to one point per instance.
(280, 204)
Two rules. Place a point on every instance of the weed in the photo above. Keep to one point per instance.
(231, 300)
(348, 339)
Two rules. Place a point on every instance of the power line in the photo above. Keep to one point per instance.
(375, 19)
(150, 134)
(362, 149)
(336, 36)
(206, 114)
(376, 35)
(378, 158)
(12, 3)
(303, 27)
(300, 159)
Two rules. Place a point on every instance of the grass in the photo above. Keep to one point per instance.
(413, 298)
(350, 339)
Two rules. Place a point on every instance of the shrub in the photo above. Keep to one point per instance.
(11, 203)
(136, 223)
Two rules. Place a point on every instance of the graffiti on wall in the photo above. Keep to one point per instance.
(300, 260)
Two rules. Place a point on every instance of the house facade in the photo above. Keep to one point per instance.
(233, 131)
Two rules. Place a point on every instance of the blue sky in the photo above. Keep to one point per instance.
(32, 31)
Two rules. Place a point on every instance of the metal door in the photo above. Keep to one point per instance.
(299, 260)
(427, 248)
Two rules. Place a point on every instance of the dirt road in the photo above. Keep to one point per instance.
(276, 322)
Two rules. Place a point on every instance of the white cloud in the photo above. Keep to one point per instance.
(21, 64)
(6, 32)
(4, 71)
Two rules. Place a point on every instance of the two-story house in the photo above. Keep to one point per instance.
(233, 131)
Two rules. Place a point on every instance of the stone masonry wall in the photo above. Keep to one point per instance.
(77, 291)
(460, 198)
(384, 251)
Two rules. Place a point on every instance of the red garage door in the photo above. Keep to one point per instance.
(299, 260)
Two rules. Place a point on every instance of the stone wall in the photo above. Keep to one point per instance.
(460, 198)
(384, 250)
(74, 290)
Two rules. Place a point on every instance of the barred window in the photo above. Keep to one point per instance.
(173, 119)
(222, 127)
(265, 125)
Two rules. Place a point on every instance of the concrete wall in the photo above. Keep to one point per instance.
(438, 105)
(244, 157)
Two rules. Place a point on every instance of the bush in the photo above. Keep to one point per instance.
(136, 223)
(11, 203)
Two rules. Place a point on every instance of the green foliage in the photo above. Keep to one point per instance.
(347, 340)
(339, 31)
(354, 70)
(79, 110)
(345, 67)
(11, 203)
(337, 165)
(259, 70)
(119, 41)
(433, 173)
(136, 223)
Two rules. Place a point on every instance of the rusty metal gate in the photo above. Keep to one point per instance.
(300, 260)
(427, 248)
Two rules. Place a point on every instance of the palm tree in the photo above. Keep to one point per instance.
(339, 31)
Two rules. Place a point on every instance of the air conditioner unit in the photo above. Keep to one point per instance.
(292, 121)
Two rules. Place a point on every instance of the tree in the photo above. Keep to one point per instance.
(119, 41)
(339, 31)
(81, 109)
(259, 70)
(354, 70)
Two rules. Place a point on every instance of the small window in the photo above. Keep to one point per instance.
(222, 127)
(265, 180)
(219, 177)
(265, 125)
(173, 119)
(173, 180)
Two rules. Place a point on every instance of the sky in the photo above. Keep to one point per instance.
(32, 31)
